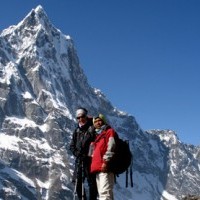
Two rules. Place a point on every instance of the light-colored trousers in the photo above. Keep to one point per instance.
(105, 183)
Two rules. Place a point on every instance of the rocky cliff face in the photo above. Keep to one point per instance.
(41, 85)
(183, 174)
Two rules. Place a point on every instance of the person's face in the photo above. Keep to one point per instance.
(98, 123)
(82, 119)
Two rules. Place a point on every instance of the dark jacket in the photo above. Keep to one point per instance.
(81, 139)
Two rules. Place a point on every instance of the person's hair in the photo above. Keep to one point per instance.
(81, 110)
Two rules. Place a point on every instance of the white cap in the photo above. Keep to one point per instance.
(81, 112)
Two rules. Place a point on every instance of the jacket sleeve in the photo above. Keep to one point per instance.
(110, 146)
(73, 145)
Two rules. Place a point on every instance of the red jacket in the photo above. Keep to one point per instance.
(103, 149)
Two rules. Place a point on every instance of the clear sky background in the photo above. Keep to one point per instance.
(144, 55)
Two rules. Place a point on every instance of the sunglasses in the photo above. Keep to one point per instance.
(83, 116)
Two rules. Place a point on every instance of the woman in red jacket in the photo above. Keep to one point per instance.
(102, 154)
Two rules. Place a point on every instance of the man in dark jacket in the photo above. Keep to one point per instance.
(82, 137)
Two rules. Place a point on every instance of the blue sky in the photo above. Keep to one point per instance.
(142, 54)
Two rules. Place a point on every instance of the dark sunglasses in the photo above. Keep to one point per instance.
(83, 116)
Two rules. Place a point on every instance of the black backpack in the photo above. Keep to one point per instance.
(122, 158)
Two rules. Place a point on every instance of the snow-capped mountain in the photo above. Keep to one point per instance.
(41, 85)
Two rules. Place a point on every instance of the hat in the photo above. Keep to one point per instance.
(100, 116)
(81, 112)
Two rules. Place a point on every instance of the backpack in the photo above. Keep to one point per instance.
(122, 158)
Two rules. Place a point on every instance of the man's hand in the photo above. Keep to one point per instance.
(104, 167)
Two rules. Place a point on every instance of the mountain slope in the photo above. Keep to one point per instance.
(41, 85)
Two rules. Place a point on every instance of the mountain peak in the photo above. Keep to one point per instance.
(36, 17)
(169, 137)
(39, 9)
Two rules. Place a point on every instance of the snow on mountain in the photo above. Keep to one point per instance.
(41, 85)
